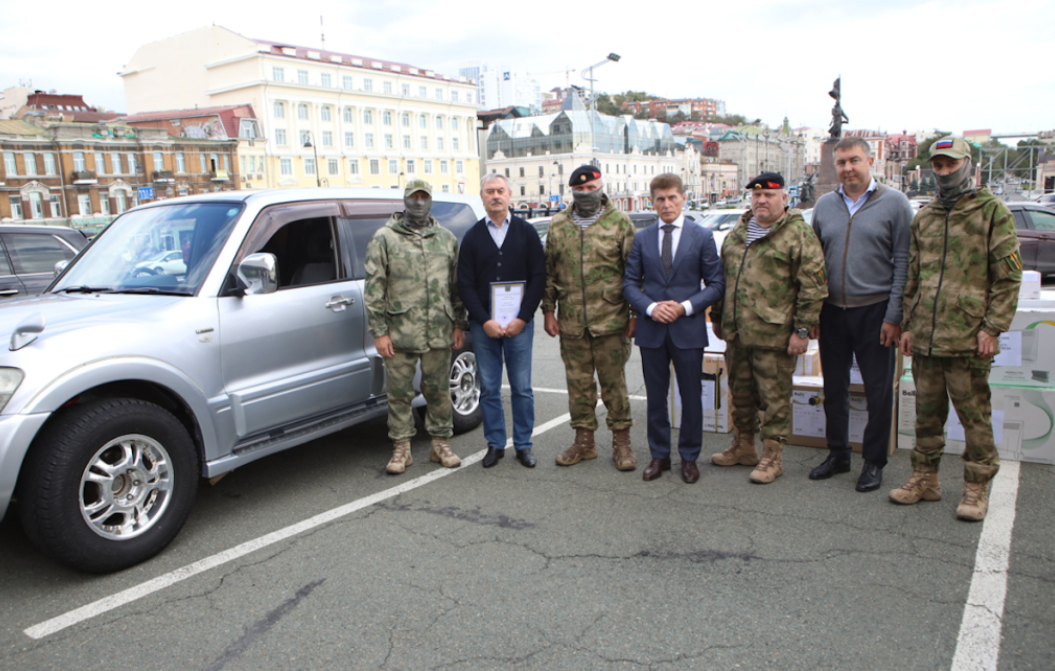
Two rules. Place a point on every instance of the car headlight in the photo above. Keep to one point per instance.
(10, 378)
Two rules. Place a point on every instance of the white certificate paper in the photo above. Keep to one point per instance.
(505, 301)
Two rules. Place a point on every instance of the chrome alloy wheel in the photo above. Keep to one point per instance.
(465, 386)
(126, 487)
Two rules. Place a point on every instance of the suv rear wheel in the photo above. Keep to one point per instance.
(109, 484)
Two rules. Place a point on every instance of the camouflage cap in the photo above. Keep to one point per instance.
(951, 146)
(417, 185)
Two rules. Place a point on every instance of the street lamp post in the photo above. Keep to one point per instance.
(613, 57)
(310, 143)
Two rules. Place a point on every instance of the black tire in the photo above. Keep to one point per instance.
(467, 414)
(56, 488)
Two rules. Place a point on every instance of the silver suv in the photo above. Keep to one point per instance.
(129, 378)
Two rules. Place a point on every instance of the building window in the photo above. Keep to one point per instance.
(332, 166)
(424, 142)
(243, 164)
(278, 109)
(346, 83)
(56, 208)
(84, 205)
(387, 87)
(393, 166)
(439, 144)
(302, 76)
(443, 168)
(181, 163)
(49, 164)
(324, 113)
(369, 140)
(327, 138)
(368, 116)
(454, 144)
(30, 160)
(285, 166)
(159, 161)
(16, 205)
(278, 74)
(368, 85)
(280, 136)
(349, 139)
(36, 206)
(386, 118)
(302, 111)
(104, 204)
(411, 166)
(309, 166)
(428, 166)
(507, 173)
(121, 201)
(388, 141)
(325, 80)
(78, 161)
(202, 163)
(132, 167)
(454, 123)
(454, 96)
(375, 167)
(423, 92)
(353, 166)
(439, 94)
(521, 172)
(542, 172)
(446, 188)
(406, 142)
(439, 123)
(115, 164)
(459, 167)
(523, 190)
(406, 119)
(422, 121)
(406, 90)
(348, 115)
(305, 138)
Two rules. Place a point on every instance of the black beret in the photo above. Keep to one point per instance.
(583, 174)
(767, 180)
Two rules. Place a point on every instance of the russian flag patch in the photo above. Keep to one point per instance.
(943, 144)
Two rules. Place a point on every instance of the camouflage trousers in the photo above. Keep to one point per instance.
(760, 379)
(607, 355)
(966, 381)
(435, 387)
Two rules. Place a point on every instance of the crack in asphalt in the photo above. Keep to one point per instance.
(474, 516)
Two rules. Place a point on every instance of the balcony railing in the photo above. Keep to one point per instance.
(84, 177)
(164, 176)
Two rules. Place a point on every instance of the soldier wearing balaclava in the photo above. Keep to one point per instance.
(961, 294)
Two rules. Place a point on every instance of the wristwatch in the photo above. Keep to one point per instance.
(803, 333)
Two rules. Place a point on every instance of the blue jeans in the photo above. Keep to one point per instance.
(517, 353)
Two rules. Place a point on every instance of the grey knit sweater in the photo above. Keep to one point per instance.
(866, 255)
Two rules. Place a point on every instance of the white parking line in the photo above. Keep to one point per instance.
(978, 646)
(161, 582)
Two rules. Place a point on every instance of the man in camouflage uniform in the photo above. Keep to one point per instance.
(775, 284)
(415, 314)
(962, 293)
(586, 252)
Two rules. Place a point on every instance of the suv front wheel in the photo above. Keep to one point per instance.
(465, 390)
(109, 484)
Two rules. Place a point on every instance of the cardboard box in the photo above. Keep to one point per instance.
(808, 421)
(1027, 351)
(808, 364)
(716, 397)
(1023, 424)
(1029, 290)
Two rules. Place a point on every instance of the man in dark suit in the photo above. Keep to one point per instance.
(673, 275)
(502, 253)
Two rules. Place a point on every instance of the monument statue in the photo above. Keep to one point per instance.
(806, 190)
(838, 116)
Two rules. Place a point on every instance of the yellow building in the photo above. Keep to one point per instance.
(330, 119)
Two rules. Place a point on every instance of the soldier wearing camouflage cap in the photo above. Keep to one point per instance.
(415, 314)
(962, 293)
(775, 284)
(586, 250)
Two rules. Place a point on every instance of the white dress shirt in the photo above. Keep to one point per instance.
(498, 233)
(675, 238)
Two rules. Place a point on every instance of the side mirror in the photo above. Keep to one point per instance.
(259, 274)
(60, 266)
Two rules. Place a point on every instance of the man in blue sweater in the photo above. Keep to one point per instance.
(501, 255)
(864, 230)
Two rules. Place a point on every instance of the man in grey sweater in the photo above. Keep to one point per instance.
(864, 230)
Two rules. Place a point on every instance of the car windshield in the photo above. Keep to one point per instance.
(165, 250)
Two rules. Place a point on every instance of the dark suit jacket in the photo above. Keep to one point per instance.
(646, 283)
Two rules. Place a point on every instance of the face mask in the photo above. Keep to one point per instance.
(955, 185)
(417, 210)
(587, 203)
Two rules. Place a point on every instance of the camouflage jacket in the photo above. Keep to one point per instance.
(963, 275)
(584, 272)
(774, 286)
(412, 286)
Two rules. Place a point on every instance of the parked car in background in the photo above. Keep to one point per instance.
(163, 263)
(120, 389)
(28, 255)
(721, 222)
(1036, 236)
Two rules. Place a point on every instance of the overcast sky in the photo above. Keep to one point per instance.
(954, 65)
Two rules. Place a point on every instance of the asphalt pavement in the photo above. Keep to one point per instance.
(580, 567)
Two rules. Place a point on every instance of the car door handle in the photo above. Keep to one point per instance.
(8, 292)
(337, 303)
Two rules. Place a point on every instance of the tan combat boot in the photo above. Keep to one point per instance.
(742, 451)
(771, 466)
(441, 454)
(400, 457)
(582, 448)
(975, 502)
(920, 487)
(621, 453)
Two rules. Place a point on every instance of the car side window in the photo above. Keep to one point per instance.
(1042, 221)
(5, 265)
(36, 252)
(302, 238)
(1020, 220)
